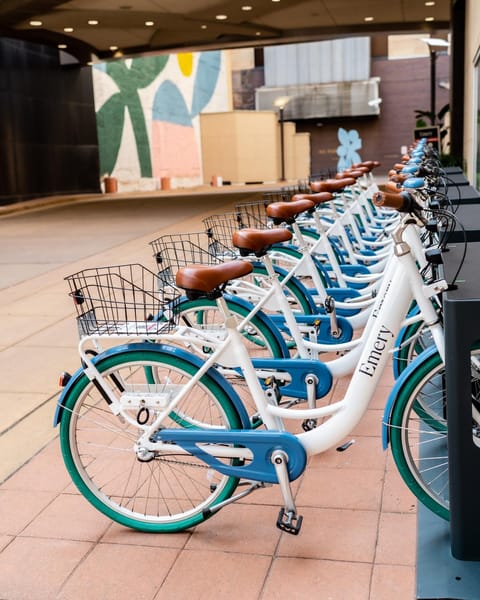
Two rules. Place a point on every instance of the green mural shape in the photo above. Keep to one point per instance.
(111, 117)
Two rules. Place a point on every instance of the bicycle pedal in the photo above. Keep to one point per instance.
(289, 522)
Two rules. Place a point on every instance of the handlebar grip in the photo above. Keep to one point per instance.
(392, 186)
(399, 201)
(399, 177)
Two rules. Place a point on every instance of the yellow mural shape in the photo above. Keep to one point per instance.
(185, 62)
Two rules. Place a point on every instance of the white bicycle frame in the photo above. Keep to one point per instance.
(323, 245)
(305, 266)
(405, 285)
(312, 349)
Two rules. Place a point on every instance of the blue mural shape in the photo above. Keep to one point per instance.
(169, 105)
(205, 80)
(350, 142)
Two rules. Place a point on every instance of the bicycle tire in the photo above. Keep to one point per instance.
(293, 256)
(411, 341)
(419, 445)
(261, 336)
(300, 299)
(167, 494)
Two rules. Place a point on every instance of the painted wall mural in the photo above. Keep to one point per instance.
(350, 142)
(147, 116)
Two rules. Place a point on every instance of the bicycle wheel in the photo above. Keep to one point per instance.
(411, 342)
(419, 444)
(298, 296)
(170, 492)
(262, 338)
(288, 256)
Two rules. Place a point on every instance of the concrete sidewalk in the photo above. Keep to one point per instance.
(38, 248)
(358, 539)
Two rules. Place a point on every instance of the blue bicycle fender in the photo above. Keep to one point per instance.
(164, 349)
(392, 397)
(63, 396)
(262, 444)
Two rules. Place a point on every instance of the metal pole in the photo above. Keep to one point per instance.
(282, 146)
(433, 76)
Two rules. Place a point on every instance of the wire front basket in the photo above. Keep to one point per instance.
(253, 214)
(220, 229)
(172, 252)
(122, 300)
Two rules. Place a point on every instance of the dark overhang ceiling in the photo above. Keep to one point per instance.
(107, 29)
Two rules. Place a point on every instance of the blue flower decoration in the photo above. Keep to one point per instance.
(350, 142)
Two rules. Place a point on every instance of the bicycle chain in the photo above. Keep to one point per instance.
(183, 463)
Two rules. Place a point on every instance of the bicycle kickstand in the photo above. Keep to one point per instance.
(287, 520)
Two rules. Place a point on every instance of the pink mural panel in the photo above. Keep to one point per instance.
(174, 150)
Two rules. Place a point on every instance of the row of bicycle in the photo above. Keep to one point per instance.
(208, 377)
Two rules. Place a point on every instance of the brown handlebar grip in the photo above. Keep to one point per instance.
(399, 177)
(392, 187)
(389, 200)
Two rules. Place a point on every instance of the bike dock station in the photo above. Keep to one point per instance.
(449, 553)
